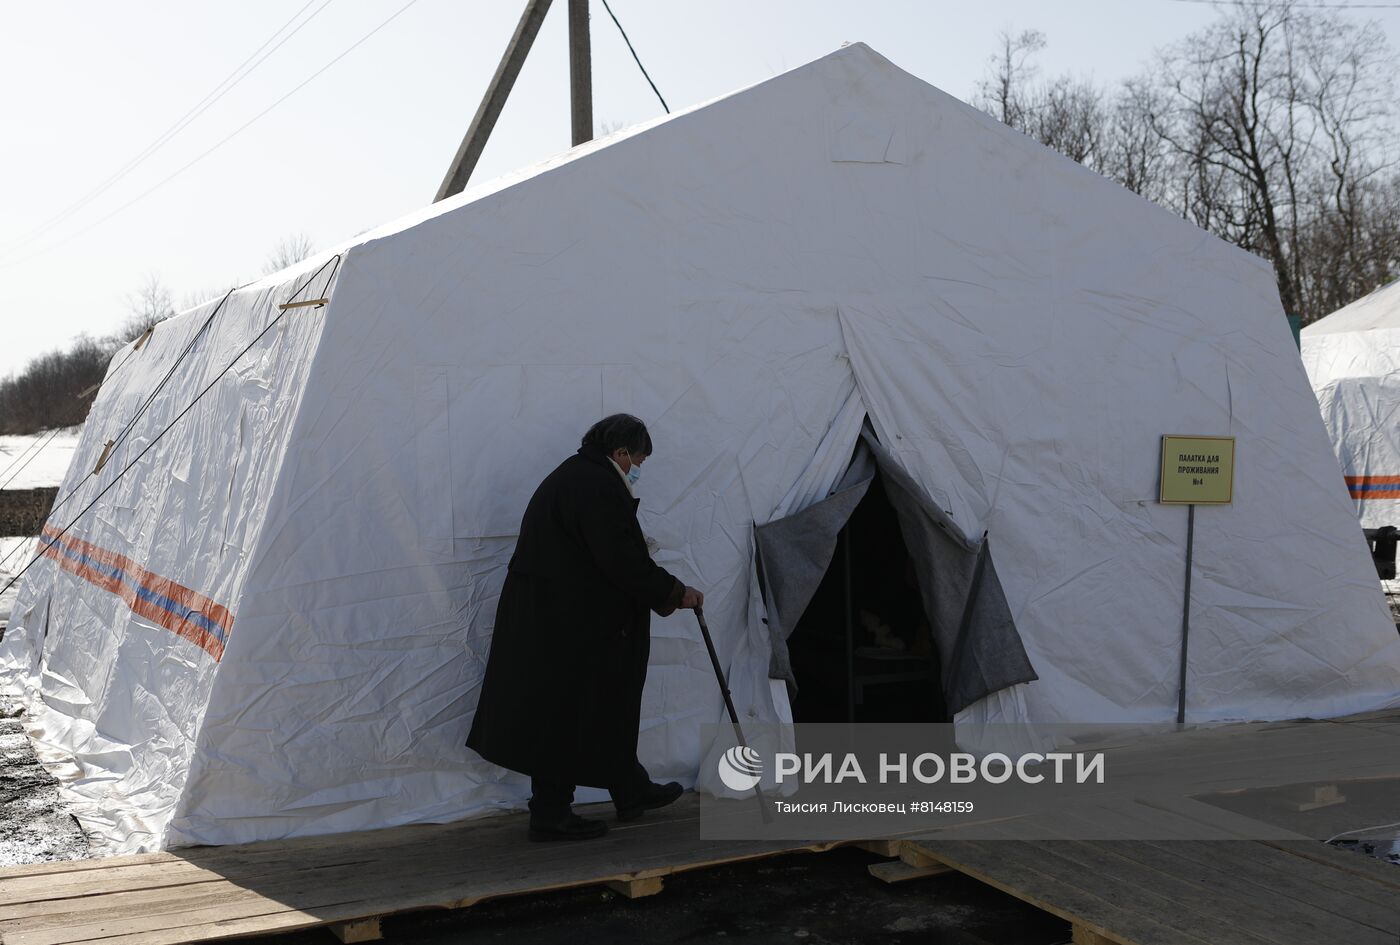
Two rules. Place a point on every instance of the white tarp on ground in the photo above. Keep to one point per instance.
(1353, 359)
(753, 277)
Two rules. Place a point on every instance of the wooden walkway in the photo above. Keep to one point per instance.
(1203, 876)
(1188, 891)
(346, 881)
(1197, 880)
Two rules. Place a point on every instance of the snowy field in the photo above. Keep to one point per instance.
(29, 462)
(14, 555)
(38, 461)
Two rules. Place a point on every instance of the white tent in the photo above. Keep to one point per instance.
(275, 624)
(1353, 359)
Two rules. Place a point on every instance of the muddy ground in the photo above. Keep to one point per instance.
(34, 825)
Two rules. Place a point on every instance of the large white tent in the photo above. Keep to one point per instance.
(276, 622)
(1353, 359)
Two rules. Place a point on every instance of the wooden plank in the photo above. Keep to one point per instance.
(425, 875)
(1083, 935)
(1197, 897)
(1362, 867)
(296, 889)
(1276, 900)
(911, 855)
(996, 864)
(1186, 907)
(118, 879)
(1261, 863)
(898, 871)
(77, 866)
(360, 930)
(1299, 891)
(878, 847)
(636, 888)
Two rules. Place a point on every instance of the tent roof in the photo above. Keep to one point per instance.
(1379, 310)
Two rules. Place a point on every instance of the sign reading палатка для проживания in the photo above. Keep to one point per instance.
(1198, 470)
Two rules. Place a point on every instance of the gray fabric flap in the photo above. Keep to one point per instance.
(977, 641)
(917, 498)
(794, 553)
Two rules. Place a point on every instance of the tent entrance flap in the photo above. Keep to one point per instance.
(845, 572)
(863, 650)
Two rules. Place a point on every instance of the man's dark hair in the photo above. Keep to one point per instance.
(620, 431)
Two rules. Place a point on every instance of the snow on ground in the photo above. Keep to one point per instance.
(35, 825)
(37, 461)
(14, 555)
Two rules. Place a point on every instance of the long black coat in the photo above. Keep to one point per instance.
(563, 690)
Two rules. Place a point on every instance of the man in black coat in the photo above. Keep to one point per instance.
(562, 696)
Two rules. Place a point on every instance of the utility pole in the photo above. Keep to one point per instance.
(580, 72)
(469, 152)
(580, 89)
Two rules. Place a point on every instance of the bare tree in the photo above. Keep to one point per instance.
(1131, 151)
(149, 305)
(1272, 128)
(1068, 114)
(55, 389)
(1278, 118)
(198, 297)
(289, 251)
(1005, 92)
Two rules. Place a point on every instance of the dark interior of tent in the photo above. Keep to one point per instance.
(862, 650)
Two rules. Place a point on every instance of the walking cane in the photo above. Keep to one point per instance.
(729, 705)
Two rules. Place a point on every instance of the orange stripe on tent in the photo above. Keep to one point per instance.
(1373, 480)
(137, 579)
(161, 585)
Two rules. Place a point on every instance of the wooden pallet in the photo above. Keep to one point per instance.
(1239, 892)
(1175, 888)
(346, 881)
(1198, 878)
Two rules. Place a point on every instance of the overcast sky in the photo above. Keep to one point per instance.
(88, 86)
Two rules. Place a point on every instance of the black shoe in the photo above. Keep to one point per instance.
(651, 797)
(572, 827)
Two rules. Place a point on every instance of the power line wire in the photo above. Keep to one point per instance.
(82, 482)
(22, 453)
(42, 444)
(333, 262)
(1310, 6)
(31, 458)
(217, 92)
(223, 141)
(645, 74)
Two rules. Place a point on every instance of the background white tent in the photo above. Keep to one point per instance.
(276, 623)
(1353, 359)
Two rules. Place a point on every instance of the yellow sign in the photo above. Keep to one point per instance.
(1198, 470)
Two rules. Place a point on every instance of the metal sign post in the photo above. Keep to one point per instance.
(1185, 615)
(1196, 470)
